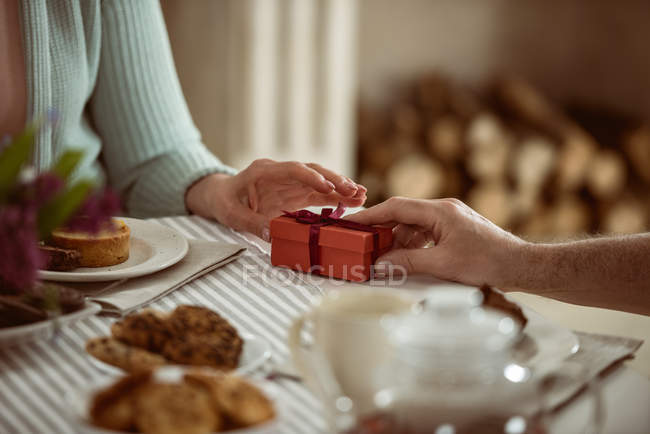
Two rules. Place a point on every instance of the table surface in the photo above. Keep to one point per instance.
(35, 377)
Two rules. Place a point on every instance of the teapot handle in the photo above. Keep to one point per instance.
(319, 377)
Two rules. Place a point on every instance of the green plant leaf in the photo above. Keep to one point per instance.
(14, 156)
(67, 163)
(59, 209)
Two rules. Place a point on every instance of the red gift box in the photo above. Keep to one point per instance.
(327, 245)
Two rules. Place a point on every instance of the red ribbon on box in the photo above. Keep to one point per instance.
(329, 217)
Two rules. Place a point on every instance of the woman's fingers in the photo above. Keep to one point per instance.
(343, 184)
(306, 175)
(242, 218)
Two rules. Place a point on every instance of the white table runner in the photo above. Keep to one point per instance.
(254, 296)
(248, 292)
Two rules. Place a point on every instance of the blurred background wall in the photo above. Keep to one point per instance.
(591, 50)
(269, 78)
(536, 112)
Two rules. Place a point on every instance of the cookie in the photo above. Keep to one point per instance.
(196, 320)
(124, 356)
(241, 402)
(113, 408)
(203, 351)
(165, 408)
(147, 329)
(205, 326)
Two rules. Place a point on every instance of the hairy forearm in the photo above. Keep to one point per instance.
(609, 272)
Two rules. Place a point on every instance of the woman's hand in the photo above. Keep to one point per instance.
(248, 200)
(446, 238)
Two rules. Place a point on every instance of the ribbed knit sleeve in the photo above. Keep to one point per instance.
(151, 149)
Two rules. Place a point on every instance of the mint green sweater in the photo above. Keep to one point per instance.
(106, 67)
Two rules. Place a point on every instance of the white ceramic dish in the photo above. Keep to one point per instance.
(255, 352)
(78, 403)
(44, 329)
(153, 247)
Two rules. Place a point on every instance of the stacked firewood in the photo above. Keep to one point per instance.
(512, 155)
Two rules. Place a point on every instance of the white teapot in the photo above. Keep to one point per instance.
(442, 365)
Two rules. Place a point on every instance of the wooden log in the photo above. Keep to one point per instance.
(533, 162)
(406, 120)
(530, 106)
(463, 102)
(493, 200)
(525, 202)
(376, 186)
(489, 148)
(566, 217)
(431, 94)
(415, 175)
(455, 182)
(627, 216)
(636, 145)
(606, 174)
(569, 216)
(445, 138)
(537, 226)
(378, 158)
(573, 161)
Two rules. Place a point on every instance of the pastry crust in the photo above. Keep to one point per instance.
(108, 247)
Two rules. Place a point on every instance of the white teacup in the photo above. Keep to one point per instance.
(350, 345)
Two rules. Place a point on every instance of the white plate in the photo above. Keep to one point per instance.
(153, 248)
(79, 401)
(255, 352)
(44, 329)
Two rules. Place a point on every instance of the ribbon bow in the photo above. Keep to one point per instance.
(329, 217)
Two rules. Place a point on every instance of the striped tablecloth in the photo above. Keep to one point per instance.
(35, 377)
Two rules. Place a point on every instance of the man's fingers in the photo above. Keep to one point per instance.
(409, 260)
(343, 185)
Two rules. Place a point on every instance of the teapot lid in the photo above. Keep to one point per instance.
(453, 320)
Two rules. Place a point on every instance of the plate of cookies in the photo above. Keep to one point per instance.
(123, 248)
(173, 400)
(188, 336)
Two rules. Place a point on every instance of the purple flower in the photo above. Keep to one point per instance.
(95, 212)
(39, 191)
(18, 247)
(4, 141)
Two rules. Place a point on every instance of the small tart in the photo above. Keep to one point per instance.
(110, 246)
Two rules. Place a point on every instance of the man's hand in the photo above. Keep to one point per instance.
(248, 200)
(467, 247)
(610, 272)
